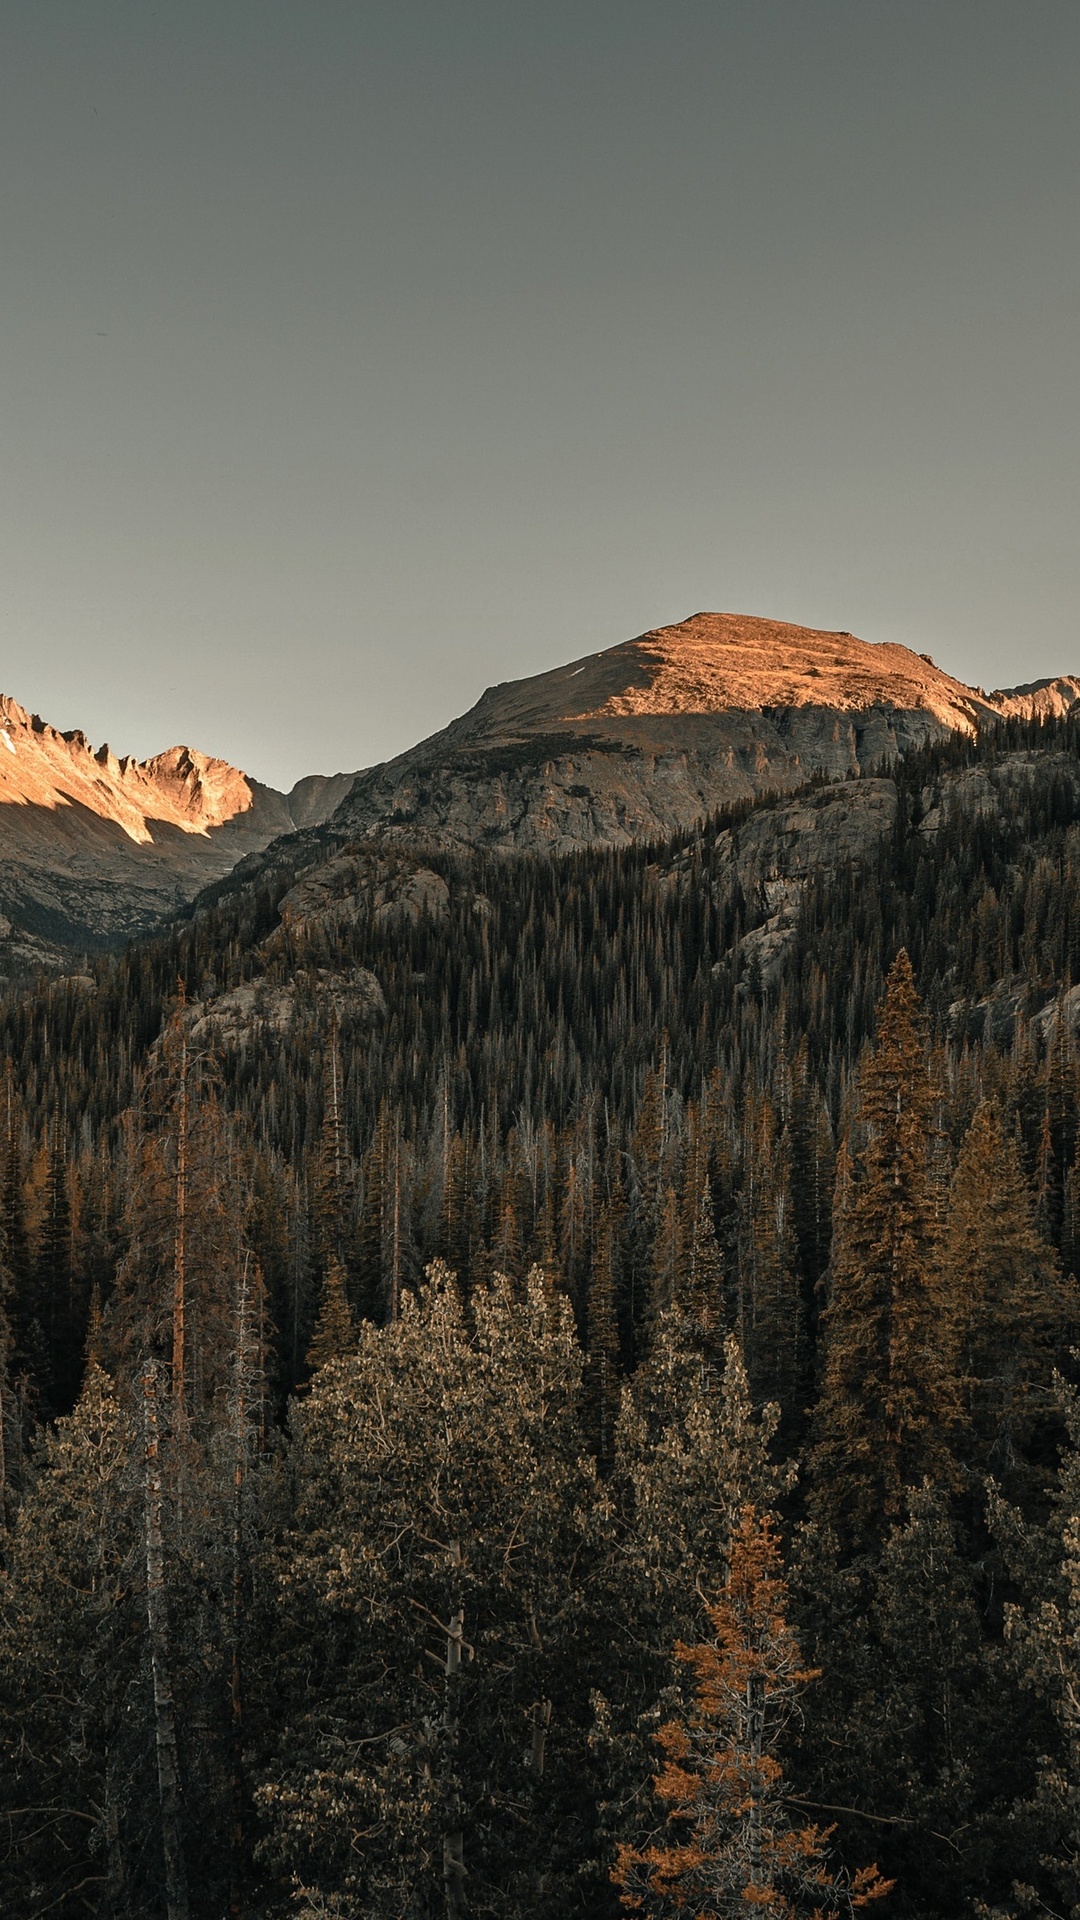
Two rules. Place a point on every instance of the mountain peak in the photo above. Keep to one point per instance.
(718, 662)
(645, 737)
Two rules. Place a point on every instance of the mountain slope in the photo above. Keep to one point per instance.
(633, 743)
(646, 737)
(95, 848)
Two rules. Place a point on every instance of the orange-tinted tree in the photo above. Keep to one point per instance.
(731, 1846)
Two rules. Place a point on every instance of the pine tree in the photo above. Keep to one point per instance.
(184, 1234)
(333, 1184)
(690, 1453)
(732, 1848)
(813, 1171)
(372, 1234)
(1016, 1315)
(334, 1335)
(664, 1261)
(889, 1397)
(771, 1322)
(699, 1281)
(30, 1358)
(159, 1639)
(55, 1280)
(602, 1370)
(1043, 1635)
(75, 1777)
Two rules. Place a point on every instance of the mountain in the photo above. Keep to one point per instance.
(646, 737)
(633, 743)
(97, 848)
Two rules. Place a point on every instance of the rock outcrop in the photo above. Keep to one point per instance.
(260, 1008)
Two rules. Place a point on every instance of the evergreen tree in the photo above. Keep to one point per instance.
(334, 1178)
(889, 1396)
(732, 1847)
(1043, 1631)
(55, 1283)
(690, 1454)
(184, 1233)
(771, 1323)
(1015, 1313)
(699, 1282)
(602, 1370)
(334, 1335)
(74, 1731)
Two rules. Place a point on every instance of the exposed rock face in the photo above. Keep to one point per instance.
(393, 888)
(773, 854)
(93, 848)
(259, 1007)
(649, 736)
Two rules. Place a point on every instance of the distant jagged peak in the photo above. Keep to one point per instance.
(1039, 699)
(181, 787)
(200, 786)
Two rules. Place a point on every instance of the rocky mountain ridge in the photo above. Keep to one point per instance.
(96, 847)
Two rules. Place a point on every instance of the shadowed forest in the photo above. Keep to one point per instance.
(558, 1409)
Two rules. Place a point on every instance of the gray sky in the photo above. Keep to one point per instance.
(354, 356)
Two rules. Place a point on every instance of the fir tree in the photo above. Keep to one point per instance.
(1015, 1313)
(732, 1847)
(889, 1397)
(334, 1335)
(602, 1370)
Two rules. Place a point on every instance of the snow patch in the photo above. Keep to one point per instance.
(7, 740)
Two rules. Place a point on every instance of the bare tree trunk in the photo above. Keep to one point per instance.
(179, 1301)
(395, 1262)
(542, 1715)
(3, 1449)
(454, 1838)
(114, 1870)
(236, 1695)
(157, 1621)
(538, 1756)
(755, 1733)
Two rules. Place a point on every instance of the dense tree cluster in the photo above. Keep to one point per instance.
(388, 1392)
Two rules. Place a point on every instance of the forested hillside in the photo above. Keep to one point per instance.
(482, 1332)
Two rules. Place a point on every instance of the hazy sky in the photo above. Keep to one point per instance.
(354, 356)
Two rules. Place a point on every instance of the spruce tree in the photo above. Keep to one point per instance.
(334, 1334)
(1015, 1313)
(889, 1398)
(732, 1847)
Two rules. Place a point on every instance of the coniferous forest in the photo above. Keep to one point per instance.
(571, 1416)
